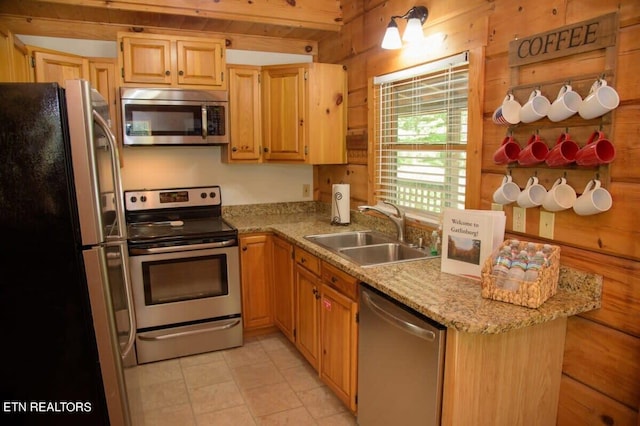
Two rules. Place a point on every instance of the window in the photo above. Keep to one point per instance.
(421, 136)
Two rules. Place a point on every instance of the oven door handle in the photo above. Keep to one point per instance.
(226, 326)
(189, 247)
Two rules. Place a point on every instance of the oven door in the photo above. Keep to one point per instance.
(177, 287)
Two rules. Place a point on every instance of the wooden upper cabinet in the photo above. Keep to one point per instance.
(146, 60)
(102, 75)
(21, 62)
(244, 115)
(284, 114)
(151, 59)
(58, 67)
(201, 62)
(305, 113)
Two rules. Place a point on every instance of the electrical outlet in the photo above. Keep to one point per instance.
(519, 219)
(497, 207)
(546, 224)
(306, 190)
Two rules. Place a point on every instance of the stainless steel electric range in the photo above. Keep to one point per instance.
(185, 273)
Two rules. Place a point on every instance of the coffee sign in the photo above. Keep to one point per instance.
(597, 33)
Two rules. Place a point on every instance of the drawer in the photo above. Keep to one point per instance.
(309, 261)
(341, 281)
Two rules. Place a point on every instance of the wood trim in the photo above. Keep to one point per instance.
(475, 128)
(311, 13)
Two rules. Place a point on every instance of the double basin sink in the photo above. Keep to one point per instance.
(369, 248)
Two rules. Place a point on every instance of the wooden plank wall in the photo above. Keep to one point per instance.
(601, 370)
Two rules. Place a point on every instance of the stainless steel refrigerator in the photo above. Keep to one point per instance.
(65, 301)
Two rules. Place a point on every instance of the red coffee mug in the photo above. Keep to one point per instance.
(508, 151)
(598, 150)
(534, 153)
(563, 153)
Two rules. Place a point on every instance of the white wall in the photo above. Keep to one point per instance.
(168, 167)
(172, 167)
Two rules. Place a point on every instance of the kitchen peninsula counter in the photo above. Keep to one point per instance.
(451, 300)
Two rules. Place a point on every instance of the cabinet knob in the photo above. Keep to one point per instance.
(302, 260)
(180, 72)
(244, 248)
(167, 72)
(265, 149)
(334, 280)
(234, 149)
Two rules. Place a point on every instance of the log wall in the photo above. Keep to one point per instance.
(601, 370)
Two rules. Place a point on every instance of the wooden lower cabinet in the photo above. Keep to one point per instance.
(339, 344)
(326, 329)
(283, 286)
(255, 275)
(505, 379)
(307, 304)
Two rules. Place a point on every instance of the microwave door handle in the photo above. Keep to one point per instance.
(115, 169)
(204, 122)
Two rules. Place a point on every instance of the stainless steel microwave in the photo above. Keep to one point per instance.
(174, 116)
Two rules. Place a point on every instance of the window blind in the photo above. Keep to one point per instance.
(420, 134)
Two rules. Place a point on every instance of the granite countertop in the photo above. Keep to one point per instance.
(448, 299)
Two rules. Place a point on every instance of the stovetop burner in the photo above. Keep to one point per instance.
(187, 215)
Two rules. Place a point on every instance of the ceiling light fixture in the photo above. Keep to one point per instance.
(416, 17)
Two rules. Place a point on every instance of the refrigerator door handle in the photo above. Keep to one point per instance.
(131, 338)
(115, 166)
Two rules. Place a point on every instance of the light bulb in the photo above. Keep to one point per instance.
(413, 33)
(391, 38)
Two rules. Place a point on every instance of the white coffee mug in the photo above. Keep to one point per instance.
(507, 192)
(532, 195)
(536, 107)
(508, 113)
(561, 196)
(600, 100)
(566, 104)
(594, 200)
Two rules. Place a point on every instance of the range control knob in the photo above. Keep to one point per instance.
(133, 199)
(203, 195)
(212, 194)
(143, 198)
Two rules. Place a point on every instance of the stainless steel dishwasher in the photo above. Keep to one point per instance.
(400, 364)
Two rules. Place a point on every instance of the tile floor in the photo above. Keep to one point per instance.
(264, 382)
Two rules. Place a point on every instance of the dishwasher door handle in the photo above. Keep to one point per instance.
(417, 331)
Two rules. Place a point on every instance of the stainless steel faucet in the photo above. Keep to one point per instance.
(398, 218)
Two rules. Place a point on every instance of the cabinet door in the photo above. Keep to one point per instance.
(102, 75)
(22, 71)
(6, 73)
(284, 114)
(255, 272)
(338, 344)
(54, 67)
(307, 298)
(146, 60)
(244, 115)
(283, 288)
(200, 63)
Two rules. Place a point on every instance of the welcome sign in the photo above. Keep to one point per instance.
(597, 33)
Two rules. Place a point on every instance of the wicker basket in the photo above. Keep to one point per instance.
(531, 294)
